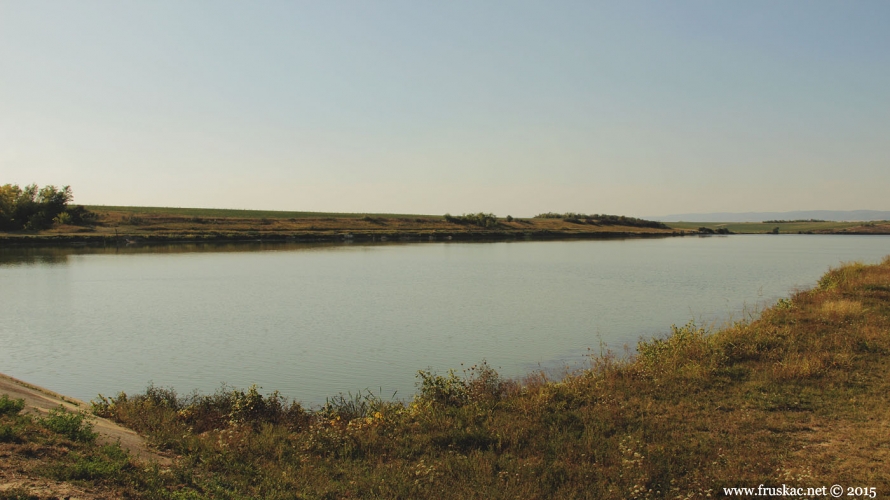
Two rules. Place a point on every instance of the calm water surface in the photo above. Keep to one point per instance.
(314, 321)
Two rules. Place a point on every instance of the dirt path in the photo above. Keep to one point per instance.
(39, 401)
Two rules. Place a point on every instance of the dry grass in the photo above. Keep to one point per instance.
(841, 308)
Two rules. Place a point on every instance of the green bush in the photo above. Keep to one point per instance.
(482, 384)
(8, 434)
(480, 219)
(11, 406)
(602, 220)
(106, 463)
(31, 208)
(78, 215)
(449, 390)
(71, 425)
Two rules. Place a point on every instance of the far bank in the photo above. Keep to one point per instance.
(115, 226)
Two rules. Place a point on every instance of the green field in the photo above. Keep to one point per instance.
(765, 227)
(245, 214)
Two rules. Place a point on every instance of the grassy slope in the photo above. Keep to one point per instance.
(798, 397)
(161, 224)
(735, 227)
(204, 224)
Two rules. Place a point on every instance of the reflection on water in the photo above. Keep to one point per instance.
(30, 256)
(313, 320)
(11, 256)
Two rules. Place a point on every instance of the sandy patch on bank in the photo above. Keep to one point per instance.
(39, 400)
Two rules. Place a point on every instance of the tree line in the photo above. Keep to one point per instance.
(480, 219)
(39, 208)
(603, 220)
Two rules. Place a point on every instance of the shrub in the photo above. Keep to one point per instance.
(31, 208)
(685, 345)
(11, 406)
(76, 216)
(62, 218)
(107, 463)
(134, 220)
(485, 384)
(479, 219)
(8, 434)
(162, 410)
(352, 406)
(448, 390)
(602, 219)
(481, 385)
(71, 425)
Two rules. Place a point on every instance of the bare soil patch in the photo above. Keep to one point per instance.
(39, 401)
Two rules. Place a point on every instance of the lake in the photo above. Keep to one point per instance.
(313, 321)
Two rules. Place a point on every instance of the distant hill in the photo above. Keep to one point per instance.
(830, 215)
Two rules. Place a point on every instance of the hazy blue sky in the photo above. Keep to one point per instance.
(511, 107)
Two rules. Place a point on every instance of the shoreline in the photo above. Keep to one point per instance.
(48, 240)
(104, 241)
(120, 226)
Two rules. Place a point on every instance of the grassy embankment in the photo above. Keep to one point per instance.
(157, 224)
(826, 227)
(799, 396)
(118, 225)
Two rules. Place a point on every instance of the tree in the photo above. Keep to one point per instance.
(33, 208)
(9, 196)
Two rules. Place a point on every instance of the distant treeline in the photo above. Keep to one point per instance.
(603, 220)
(792, 221)
(481, 219)
(33, 208)
(721, 230)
